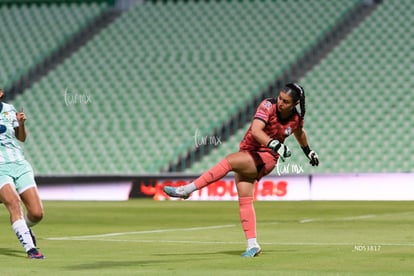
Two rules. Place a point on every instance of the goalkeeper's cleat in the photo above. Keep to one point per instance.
(33, 237)
(35, 254)
(176, 192)
(252, 252)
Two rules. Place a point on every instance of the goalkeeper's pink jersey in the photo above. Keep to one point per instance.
(275, 127)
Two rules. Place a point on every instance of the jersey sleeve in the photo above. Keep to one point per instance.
(263, 111)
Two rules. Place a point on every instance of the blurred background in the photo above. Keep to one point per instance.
(157, 87)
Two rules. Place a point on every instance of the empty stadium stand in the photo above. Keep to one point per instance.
(30, 33)
(135, 98)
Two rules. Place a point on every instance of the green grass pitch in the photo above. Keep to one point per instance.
(146, 237)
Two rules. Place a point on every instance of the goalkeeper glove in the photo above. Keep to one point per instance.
(279, 148)
(312, 156)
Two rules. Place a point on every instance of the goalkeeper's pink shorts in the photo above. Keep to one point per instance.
(265, 162)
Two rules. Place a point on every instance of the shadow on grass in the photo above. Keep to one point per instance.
(12, 252)
(264, 252)
(232, 253)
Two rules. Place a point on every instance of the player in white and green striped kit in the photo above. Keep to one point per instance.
(17, 182)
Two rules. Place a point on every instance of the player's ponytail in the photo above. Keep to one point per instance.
(298, 94)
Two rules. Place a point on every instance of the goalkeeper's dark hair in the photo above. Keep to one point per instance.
(298, 94)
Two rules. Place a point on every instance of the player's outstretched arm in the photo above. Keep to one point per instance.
(300, 136)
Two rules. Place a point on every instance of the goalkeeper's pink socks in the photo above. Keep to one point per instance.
(212, 175)
(247, 216)
(248, 220)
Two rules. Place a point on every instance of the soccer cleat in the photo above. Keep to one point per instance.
(176, 192)
(33, 237)
(252, 252)
(34, 254)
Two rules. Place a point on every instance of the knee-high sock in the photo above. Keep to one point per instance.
(215, 173)
(247, 217)
(23, 234)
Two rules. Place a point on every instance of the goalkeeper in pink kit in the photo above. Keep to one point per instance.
(262, 145)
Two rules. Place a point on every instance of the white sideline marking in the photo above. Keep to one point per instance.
(141, 232)
(353, 218)
(338, 219)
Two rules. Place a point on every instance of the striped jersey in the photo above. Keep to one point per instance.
(10, 150)
(275, 127)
